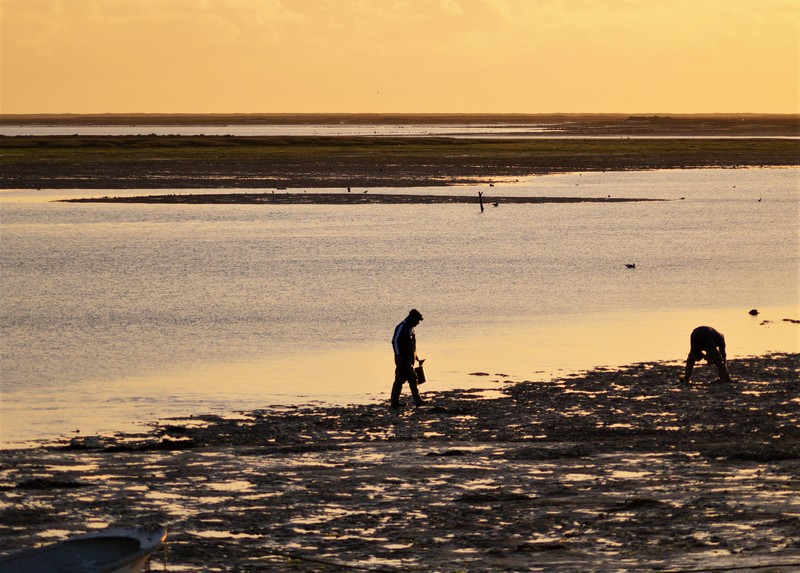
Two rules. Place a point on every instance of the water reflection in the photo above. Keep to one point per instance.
(151, 311)
(456, 130)
(538, 351)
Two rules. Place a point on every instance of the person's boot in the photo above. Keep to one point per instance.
(418, 401)
(396, 389)
(724, 375)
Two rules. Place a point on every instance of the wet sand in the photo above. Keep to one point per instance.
(615, 469)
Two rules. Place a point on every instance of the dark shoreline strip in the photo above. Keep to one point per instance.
(338, 199)
(257, 163)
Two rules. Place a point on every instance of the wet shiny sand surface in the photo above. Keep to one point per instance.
(609, 470)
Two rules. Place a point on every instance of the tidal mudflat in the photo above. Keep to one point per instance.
(197, 162)
(614, 469)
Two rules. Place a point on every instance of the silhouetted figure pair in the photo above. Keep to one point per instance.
(706, 343)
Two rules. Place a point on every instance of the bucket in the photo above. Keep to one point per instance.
(420, 372)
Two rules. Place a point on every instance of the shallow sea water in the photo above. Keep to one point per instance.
(116, 315)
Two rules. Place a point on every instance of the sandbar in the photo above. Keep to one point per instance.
(348, 198)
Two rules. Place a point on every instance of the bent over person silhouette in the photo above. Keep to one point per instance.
(404, 344)
(707, 343)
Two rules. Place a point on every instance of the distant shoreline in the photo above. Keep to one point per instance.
(752, 124)
(241, 162)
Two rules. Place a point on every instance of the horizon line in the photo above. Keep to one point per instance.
(407, 113)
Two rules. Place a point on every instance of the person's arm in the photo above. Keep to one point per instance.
(689, 367)
(722, 348)
(401, 342)
(397, 343)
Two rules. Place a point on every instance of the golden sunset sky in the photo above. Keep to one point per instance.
(488, 56)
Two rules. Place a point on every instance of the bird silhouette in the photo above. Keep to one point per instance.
(630, 265)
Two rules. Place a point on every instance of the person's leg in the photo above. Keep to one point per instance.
(698, 341)
(397, 387)
(722, 369)
(410, 375)
(412, 383)
(724, 375)
(713, 355)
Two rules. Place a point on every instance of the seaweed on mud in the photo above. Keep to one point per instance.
(50, 483)
(492, 497)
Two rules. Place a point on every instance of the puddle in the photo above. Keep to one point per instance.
(230, 486)
(627, 474)
(213, 534)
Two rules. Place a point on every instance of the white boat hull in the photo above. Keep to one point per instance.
(114, 550)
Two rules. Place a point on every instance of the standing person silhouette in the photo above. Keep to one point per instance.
(707, 343)
(404, 344)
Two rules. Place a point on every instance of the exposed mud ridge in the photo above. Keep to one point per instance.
(622, 469)
(285, 198)
(222, 162)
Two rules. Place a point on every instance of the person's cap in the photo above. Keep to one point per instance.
(415, 313)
